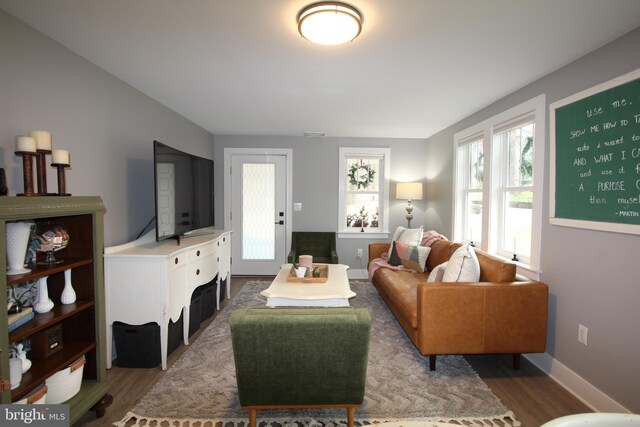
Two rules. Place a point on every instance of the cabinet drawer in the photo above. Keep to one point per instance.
(178, 261)
(203, 264)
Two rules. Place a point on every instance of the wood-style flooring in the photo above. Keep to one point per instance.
(530, 394)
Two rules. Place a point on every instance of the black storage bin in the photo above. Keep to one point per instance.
(175, 335)
(208, 300)
(137, 346)
(195, 311)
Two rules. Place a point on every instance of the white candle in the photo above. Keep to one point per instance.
(43, 139)
(25, 143)
(60, 157)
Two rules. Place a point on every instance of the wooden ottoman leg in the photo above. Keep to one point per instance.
(351, 415)
(253, 416)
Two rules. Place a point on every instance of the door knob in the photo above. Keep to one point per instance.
(281, 222)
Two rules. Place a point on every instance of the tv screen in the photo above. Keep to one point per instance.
(183, 190)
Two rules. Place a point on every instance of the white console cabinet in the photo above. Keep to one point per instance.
(148, 281)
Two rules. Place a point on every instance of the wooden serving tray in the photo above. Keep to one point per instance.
(308, 277)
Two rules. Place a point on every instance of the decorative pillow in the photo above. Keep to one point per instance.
(411, 257)
(410, 236)
(463, 266)
(437, 273)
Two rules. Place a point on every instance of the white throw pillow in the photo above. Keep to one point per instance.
(410, 236)
(463, 266)
(437, 273)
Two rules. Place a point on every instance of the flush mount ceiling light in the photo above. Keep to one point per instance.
(329, 22)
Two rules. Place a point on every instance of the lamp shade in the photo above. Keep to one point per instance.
(329, 23)
(409, 190)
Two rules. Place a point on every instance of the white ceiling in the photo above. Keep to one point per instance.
(240, 67)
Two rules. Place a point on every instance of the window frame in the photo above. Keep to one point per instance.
(504, 187)
(495, 163)
(384, 154)
(464, 190)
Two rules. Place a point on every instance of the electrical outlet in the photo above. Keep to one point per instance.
(583, 333)
(359, 253)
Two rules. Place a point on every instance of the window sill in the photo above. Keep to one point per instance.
(363, 235)
(523, 269)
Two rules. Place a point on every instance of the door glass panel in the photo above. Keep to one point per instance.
(258, 211)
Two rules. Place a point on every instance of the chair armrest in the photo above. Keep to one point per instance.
(484, 317)
(292, 257)
(334, 257)
(377, 249)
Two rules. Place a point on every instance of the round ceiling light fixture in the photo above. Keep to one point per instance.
(329, 22)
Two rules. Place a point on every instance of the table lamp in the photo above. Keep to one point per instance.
(409, 191)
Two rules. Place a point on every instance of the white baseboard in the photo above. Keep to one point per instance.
(575, 384)
(357, 273)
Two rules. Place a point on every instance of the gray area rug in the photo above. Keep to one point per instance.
(199, 389)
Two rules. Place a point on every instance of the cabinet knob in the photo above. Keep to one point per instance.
(197, 272)
(218, 259)
(218, 243)
(198, 253)
(175, 261)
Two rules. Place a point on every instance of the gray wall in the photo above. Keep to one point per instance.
(594, 276)
(315, 181)
(107, 126)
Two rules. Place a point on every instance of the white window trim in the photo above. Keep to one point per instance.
(462, 192)
(385, 155)
(536, 108)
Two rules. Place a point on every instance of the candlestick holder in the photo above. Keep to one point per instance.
(62, 186)
(42, 172)
(27, 172)
(515, 258)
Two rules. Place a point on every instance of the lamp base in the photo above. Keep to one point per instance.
(409, 216)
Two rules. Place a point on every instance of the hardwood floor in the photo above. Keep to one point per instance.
(530, 394)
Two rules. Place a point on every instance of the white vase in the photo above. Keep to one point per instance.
(17, 241)
(68, 294)
(15, 372)
(22, 355)
(44, 302)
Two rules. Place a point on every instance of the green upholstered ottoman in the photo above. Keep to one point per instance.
(300, 357)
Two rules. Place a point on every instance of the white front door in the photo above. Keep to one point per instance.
(259, 216)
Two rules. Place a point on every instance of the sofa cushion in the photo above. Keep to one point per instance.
(399, 289)
(410, 256)
(437, 273)
(463, 266)
(411, 236)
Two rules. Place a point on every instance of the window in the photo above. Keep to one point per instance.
(471, 180)
(498, 184)
(364, 189)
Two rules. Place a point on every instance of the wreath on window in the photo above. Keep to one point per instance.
(361, 175)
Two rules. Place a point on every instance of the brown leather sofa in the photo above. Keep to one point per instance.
(499, 314)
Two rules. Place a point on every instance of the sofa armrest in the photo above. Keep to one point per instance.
(485, 317)
(377, 249)
(292, 257)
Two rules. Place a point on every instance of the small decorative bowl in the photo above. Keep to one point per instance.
(49, 242)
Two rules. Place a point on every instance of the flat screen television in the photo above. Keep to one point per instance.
(183, 192)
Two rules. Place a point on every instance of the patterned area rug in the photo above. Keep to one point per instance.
(200, 388)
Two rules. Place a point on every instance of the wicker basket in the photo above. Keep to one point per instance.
(65, 384)
(37, 397)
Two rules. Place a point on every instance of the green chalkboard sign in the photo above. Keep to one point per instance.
(595, 157)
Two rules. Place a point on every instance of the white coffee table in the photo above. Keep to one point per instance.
(334, 293)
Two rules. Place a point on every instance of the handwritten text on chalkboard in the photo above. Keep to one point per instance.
(598, 156)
